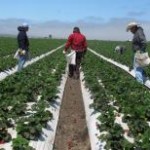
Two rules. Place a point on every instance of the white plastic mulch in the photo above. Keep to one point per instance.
(124, 67)
(6, 73)
(54, 109)
(46, 141)
(92, 121)
(91, 118)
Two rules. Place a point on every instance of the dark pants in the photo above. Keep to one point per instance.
(74, 69)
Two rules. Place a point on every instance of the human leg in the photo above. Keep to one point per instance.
(132, 65)
(79, 56)
(140, 74)
(21, 62)
(71, 70)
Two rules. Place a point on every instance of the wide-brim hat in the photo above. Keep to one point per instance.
(131, 24)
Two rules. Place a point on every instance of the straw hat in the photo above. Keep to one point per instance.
(132, 24)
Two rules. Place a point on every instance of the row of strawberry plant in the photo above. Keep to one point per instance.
(107, 48)
(113, 90)
(25, 97)
(8, 47)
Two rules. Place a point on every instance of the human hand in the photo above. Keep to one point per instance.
(23, 52)
(64, 52)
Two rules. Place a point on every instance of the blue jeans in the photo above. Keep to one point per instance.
(140, 74)
(21, 61)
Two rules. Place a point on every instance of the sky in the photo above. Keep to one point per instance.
(97, 19)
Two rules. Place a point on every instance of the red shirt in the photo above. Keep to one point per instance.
(77, 42)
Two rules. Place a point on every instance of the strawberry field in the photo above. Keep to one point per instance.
(26, 98)
(107, 48)
(116, 94)
(8, 47)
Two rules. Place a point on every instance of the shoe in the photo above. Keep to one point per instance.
(130, 68)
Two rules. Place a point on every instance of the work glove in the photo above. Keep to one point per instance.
(64, 52)
(21, 52)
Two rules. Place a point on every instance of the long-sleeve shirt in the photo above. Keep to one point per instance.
(22, 39)
(77, 42)
(139, 40)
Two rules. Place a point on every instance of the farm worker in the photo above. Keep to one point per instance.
(120, 49)
(23, 45)
(78, 44)
(138, 44)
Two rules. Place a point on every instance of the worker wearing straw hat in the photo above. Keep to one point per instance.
(138, 44)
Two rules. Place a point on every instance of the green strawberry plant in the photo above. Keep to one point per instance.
(36, 84)
(38, 46)
(112, 90)
(21, 143)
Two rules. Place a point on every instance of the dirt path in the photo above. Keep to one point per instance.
(72, 132)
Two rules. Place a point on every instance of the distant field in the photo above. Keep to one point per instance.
(38, 46)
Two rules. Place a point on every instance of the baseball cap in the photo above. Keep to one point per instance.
(25, 24)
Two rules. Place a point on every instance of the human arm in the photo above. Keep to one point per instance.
(69, 42)
(139, 41)
(142, 40)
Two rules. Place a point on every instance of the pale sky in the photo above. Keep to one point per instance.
(97, 19)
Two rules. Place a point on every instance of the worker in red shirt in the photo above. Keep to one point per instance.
(77, 42)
